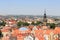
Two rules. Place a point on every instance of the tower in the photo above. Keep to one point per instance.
(44, 18)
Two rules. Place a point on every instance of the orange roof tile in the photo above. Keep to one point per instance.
(57, 29)
(48, 32)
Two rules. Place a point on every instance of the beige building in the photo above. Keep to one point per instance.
(50, 20)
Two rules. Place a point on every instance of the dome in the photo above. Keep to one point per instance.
(23, 29)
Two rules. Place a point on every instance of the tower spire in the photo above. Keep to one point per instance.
(45, 13)
(45, 18)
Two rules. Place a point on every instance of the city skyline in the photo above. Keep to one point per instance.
(29, 7)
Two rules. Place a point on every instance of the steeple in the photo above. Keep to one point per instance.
(44, 18)
(44, 13)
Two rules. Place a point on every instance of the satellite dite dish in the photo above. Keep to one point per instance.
(23, 29)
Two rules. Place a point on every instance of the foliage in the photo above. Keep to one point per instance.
(33, 23)
(56, 19)
(52, 25)
(26, 24)
(19, 24)
(1, 35)
(2, 23)
(37, 23)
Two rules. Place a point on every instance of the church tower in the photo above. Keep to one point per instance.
(44, 18)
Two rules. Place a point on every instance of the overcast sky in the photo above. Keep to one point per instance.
(29, 7)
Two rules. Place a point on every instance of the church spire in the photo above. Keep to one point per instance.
(45, 18)
(45, 13)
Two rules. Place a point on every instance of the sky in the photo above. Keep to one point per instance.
(29, 7)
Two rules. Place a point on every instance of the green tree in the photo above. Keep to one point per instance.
(33, 23)
(26, 24)
(1, 35)
(52, 25)
(19, 24)
(56, 19)
(2, 23)
(38, 22)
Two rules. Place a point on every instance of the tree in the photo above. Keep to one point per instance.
(56, 19)
(19, 24)
(37, 23)
(1, 35)
(58, 24)
(2, 23)
(26, 24)
(33, 23)
(52, 25)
